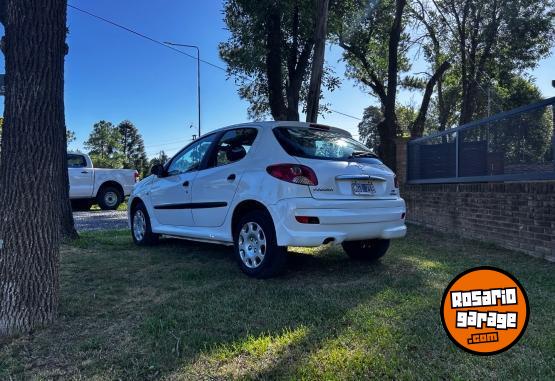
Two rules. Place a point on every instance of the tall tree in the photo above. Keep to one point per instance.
(33, 160)
(365, 31)
(104, 145)
(270, 52)
(436, 51)
(492, 38)
(132, 147)
(320, 34)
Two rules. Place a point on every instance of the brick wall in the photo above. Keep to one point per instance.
(519, 216)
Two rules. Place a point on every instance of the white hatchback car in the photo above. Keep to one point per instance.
(264, 186)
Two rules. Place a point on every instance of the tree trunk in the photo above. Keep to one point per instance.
(442, 107)
(295, 77)
(386, 149)
(417, 128)
(293, 96)
(32, 157)
(469, 87)
(390, 118)
(467, 102)
(313, 101)
(273, 63)
(67, 224)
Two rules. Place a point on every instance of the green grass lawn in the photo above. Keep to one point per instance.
(183, 310)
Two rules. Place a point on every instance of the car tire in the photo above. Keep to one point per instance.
(255, 245)
(141, 229)
(81, 205)
(109, 198)
(368, 250)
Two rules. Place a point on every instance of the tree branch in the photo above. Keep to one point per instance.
(374, 83)
(417, 128)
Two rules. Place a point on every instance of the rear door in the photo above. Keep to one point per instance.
(81, 178)
(345, 168)
(215, 186)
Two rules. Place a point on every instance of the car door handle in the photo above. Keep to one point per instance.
(186, 183)
(231, 177)
(84, 172)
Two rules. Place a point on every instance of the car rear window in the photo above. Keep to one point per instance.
(315, 143)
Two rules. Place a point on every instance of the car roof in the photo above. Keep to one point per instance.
(281, 123)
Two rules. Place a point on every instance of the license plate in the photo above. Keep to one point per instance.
(364, 188)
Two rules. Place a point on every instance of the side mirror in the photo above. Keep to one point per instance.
(157, 170)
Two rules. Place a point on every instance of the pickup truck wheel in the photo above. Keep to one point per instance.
(109, 198)
(141, 229)
(256, 247)
(369, 250)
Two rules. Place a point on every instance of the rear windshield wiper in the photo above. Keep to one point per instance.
(359, 154)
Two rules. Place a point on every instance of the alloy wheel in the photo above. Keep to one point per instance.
(252, 245)
(139, 225)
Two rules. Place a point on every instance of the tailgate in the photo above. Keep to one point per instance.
(358, 179)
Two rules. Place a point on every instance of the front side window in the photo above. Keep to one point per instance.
(234, 146)
(324, 144)
(76, 161)
(191, 158)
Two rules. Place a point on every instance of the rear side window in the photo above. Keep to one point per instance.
(313, 143)
(234, 146)
(76, 161)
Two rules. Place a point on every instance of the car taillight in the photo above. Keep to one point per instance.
(293, 173)
(396, 179)
(137, 176)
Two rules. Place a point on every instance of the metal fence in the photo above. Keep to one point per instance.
(515, 145)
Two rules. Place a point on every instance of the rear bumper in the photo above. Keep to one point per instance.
(339, 220)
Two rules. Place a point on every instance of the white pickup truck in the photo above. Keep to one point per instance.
(108, 187)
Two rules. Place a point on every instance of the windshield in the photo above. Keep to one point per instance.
(314, 143)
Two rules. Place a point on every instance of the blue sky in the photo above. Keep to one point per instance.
(114, 75)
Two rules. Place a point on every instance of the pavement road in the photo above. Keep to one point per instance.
(100, 220)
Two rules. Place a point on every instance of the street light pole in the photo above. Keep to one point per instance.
(198, 75)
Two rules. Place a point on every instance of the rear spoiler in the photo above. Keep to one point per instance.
(329, 128)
